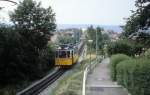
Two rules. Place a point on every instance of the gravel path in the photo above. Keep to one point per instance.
(99, 82)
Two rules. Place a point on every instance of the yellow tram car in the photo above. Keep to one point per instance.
(66, 55)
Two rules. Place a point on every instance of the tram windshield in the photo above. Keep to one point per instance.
(63, 54)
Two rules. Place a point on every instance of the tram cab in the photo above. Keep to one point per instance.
(65, 56)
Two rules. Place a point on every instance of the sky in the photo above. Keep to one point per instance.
(102, 12)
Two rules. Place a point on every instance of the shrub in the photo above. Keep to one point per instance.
(147, 53)
(124, 73)
(120, 46)
(124, 47)
(115, 59)
(135, 75)
(21, 62)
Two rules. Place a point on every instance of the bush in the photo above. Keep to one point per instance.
(115, 59)
(120, 46)
(147, 53)
(134, 74)
(20, 60)
(124, 47)
(124, 70)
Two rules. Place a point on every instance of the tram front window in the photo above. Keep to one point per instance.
(64, 54)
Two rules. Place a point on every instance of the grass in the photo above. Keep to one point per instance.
(72, 84)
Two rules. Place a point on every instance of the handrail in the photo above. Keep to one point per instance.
(84, 81)
(86, 71)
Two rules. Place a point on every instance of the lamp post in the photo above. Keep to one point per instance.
(90, 41)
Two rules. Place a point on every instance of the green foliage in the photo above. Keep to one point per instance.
(9, 55)
(34, 22)
(147, 53)
(134, 75)
(24, 54)
(139, 20)
(102, 39)
(77, 34)
(119, 47)
(132, 25)
(143, 38)
(143, 7)
(18, 61)
(69, 38)
(124, 47)
(66, 40)
(124, 70)
(116, 59)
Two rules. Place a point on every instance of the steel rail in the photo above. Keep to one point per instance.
(36, 89)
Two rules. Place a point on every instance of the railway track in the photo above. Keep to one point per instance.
(36, 89)
(44, 83)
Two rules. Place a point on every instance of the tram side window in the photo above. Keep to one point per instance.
(56, 54)
(68, 54)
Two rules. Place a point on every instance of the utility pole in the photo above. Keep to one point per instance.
(90, 42)
(96, 45)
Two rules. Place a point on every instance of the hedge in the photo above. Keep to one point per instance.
(147, 53)
(134, 74)
(115, 59)
(124, 47)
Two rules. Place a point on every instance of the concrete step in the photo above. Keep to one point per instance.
(106, 90)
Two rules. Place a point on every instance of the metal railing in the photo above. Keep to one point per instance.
(88, 69)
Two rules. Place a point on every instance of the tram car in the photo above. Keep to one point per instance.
(67, 55)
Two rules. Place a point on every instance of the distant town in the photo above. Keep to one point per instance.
(113, 35)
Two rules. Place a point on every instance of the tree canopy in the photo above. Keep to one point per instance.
(34, 22)
(24, 51)
(101, 38)
(139, 20)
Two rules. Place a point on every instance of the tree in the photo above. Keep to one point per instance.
(139, 20)
(131, 26)
(102, 38)
(77, 34)
(72, 37)
(10, 54)
(91, 35)
(34, 22)
(66, 40)
(35, 25)
(24, 54)
(143, 11)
